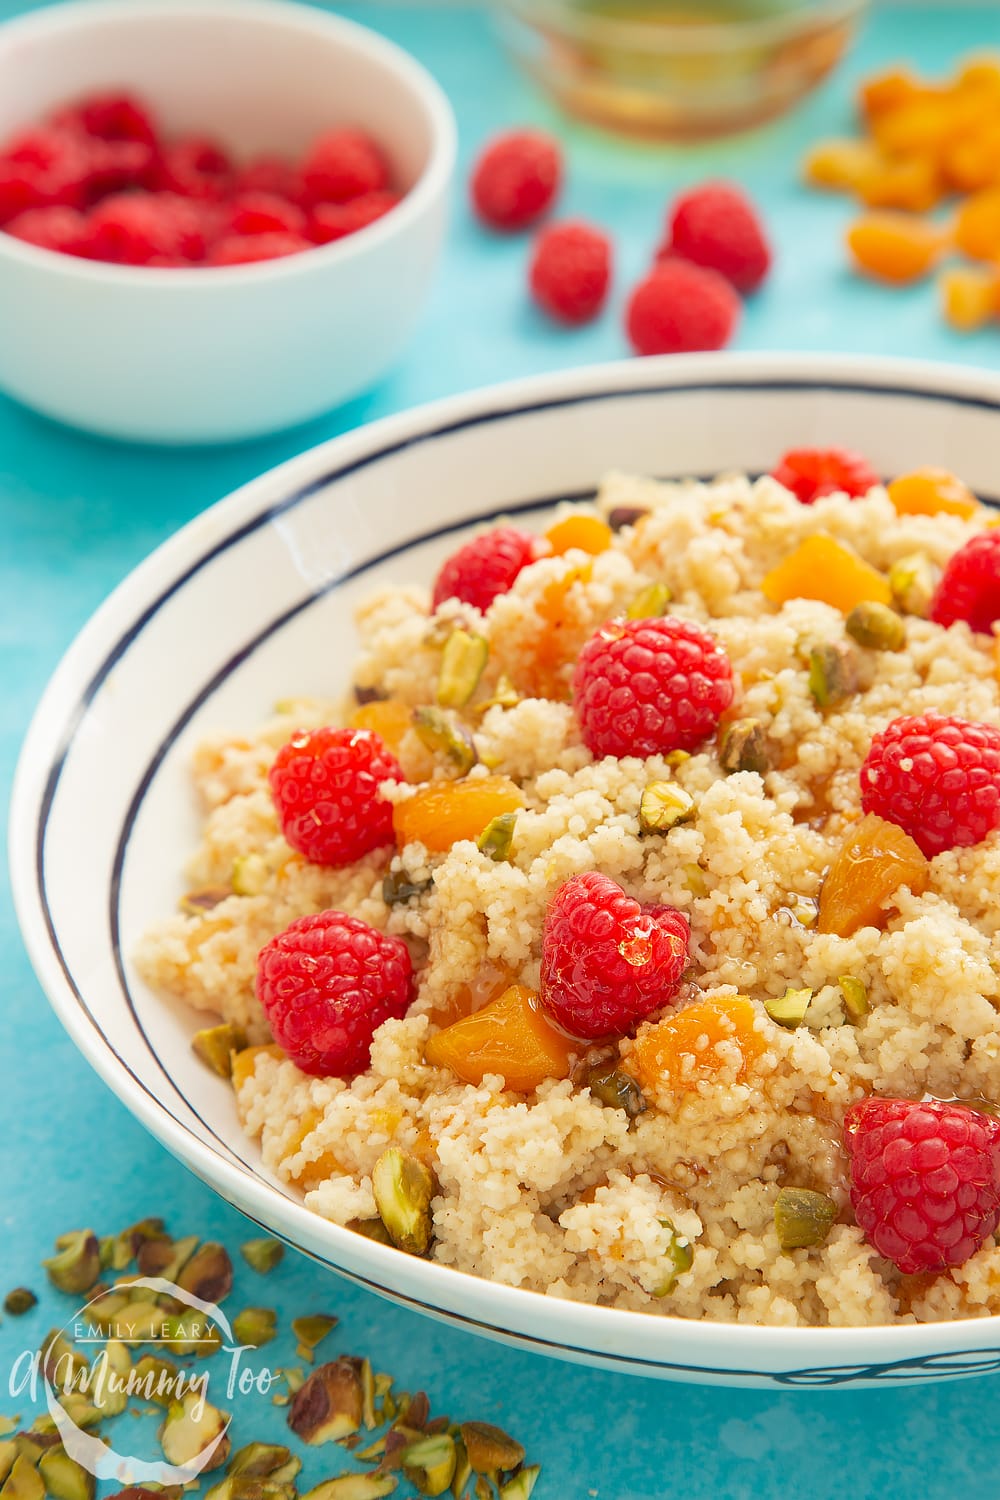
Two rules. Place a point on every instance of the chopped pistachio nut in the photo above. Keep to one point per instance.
(78, 1264)
(262, 1255)
(164, 1257)
(19, 1301)
(617, 1089)
(125, 1246)
(155, 1379)
(679, 1258)
(876, 627)
(61, 1361)
(429, 1463)
(650, 602)
(497, 838)
(249, 875)
(743, 747)
(330, 1405)
(192, 1333)
(789, 1010)
(855, 997)
(312, 1330)
(521, 1486)
(265, 1461)
(802, 1218)
(397, 887)
(463, 1470)
(371, 1229)
(255, 1326)
(208, 1275)
(403, 1189)
(911, 580)
(354, 1487)
(438, 730)
(63, 1478)
(81, 1411)
(112, 1398)
(490, 1449)
(368, 1413)
(462, 665)
(31, 1445)
(625, 515)
(185, 1436)
(694, 880)
(23, 1482)
(833, 674)
(663, 805)
(216, 1045)
(505, 695)
(197, 903)
(8, 1454)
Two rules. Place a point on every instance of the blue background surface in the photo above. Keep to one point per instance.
(77, 513)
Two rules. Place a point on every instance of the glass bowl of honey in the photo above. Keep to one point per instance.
(677, 69)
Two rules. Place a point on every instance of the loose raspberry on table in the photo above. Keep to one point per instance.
(607, 960)
(646, 687)
(333, 221)
(970, 585)
(486, 567)
(937, 778)
(263, 213)
(679, 308)
(196, 167)
(141, 229)
(811, 473)
(57, 228)
(327, 983)
(325, 789)
(925, 1180)
(343, 164)
(571, 271)
(516, 178)
(246, 249)
(716, 225)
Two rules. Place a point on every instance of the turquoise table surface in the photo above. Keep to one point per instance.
(76, 514)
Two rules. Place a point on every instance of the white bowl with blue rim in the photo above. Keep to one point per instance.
(223, 619)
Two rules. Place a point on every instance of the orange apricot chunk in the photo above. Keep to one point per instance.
(585, 533)
(443, 812)
(509, 1036)
(822, 568)
(842, 166)
(895, 247)
(874, 860)
(912, 183)
(682, 1050)
(931, 492)
(970, 296)
(245, 1062)
(388, 718)
(977, 226)
(972, 161)
(884, 91)
(924, 126)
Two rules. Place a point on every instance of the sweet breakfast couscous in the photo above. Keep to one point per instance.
(632, 935)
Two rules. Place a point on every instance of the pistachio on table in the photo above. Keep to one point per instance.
(429, 1463)
(354, 1487)
(19, 1301)
(743, 747)
(208, 1274)
(8, 1453)
(216, 1044)
(497, 838)
(663, 805)
(403, 1189)
(462, 664)
(161, 1256)
(311, 1331)
(78, 1264)
(271, 1461)
(491, 1450)
(123, 1248)
(789, 1009)
(876, 627)
(262, 1255)
(330, 1405)
(155, 1379)
(23, 1482)
(802, 1218)
(255, 1326)
(438, 729)
(522, 1484)
(185, 1436)
(64, 1479)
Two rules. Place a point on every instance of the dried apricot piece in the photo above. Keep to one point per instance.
(511, 1036)
(697, 1043)
(912, 183)
(388, 718)
(895, 247)
(585, 533)
(973, 160)
(822, 568)
(842, 165)
(885, 91)
(977, 226)
(443, 812)
(931, 492)
(970, 296)
(923, 126)
(874, 860)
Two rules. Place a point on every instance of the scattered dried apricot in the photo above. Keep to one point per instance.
(874, 860)
(842, 165)
(931, 492)
(696, 1044)
(977, 226)
(443, 812)
(585, 533)
(912, 183)
(822, 568)
(511, 1036)
(970, 296)
(895, 247)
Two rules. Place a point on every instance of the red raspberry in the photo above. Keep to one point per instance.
(716, 225)
(263, 213)
(925, 1180)
(141, 229)
(245, 249)
(269, 174)
(333, 221)
(115, 166)
(608, 961)
(516, 179)
(646, 687)
(111, 117)
(62, 229)
(21, 190)
(325, 789)
(196, 168)
(679, 308)
(343, 164)
(326, 984)
(43, 167)
(811, 473)
(571, 271)
(970, 585)
(937, 778)
(486, 566)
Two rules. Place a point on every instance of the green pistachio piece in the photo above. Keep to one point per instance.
(161, 1256)
(265, 1461)
(876, 627)
(855, 997)
(618, 1090)
(191, 1333)
(330, 1404)
(354, 1487)
(295, 1378)
(155, 1379)
(78, 1264)
(679, 1258)
(125, 1246)
(521, 1486)
(371, 1229)
(743, 747)
(113, 1395)
(802, 1218)
(255, 1326)
(262, 1255)
(463, 1470)
(397, 887)
(429, 1463)
(311, 1331)
(197, 903)
(652, 601)
(63, 1478)
(80, 1410)
(368, 1414)
(8, 1455)
(491, 1450)
(250, 874)
(789, 1010)
(216, 1045)
(208, 1275)
(187, 1433)
(497, 838)
(462, 664)
(663, 805)
(505, 695)
(911, 580)
(31, 1445)
(403, 1189)
(694, 880)
(61, 1361)
(19, 1301)
(833, 675)
(23, 1482)
(439, 730)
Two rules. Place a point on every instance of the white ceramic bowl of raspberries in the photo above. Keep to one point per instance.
(220, 217)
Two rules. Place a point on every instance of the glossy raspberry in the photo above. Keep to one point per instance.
(646, 687)
(970, 585)
(333, 221)
(326, 984)
(111, 117)
(607, 960)
(486, 566)
(245, 249)
(141, 229)
(937, 778)
(680, 307)
(343, 164)
(196, 167)
(62, 229)
(516, 178)
(925, 1180)
(269, 174)
(716, 225)
(325, 788)
(811, 473)
(263, 213)
(571, 271)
